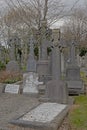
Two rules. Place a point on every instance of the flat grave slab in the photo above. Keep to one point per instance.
(12, 88)
(46, 116)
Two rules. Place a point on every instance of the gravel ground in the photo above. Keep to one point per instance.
(14, 105)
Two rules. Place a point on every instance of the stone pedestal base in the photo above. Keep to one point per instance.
(43, 71)
(43, 67)
(75, 87)
(72, 72)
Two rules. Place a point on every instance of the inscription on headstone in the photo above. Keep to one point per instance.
(31, 83)
(11, 88)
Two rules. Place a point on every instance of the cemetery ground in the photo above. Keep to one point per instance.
(14, 105)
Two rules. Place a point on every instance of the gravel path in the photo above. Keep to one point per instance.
(14, 105)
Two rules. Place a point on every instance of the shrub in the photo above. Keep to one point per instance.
(2, 66)
(8, 77)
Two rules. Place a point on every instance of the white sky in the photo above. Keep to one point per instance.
(68, 3)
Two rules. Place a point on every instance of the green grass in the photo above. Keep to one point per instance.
(78, 115)
(83, 77)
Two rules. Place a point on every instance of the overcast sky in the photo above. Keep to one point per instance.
(68, 3)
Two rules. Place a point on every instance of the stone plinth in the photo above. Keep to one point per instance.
(75, 87)
(56, 91)
(43, 67)
(74, 83)
(31, 65)
(73, 72)
(43, 70)
(46, 116)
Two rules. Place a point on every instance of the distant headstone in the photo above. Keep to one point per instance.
(43, 65)
(30, 83)
(14, 44)
(31, 64)
(72, 53)
(11, 88)
(74, 82)
(12, 66)
(72, 72)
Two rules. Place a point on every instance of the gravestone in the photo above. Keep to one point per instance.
(30, 83)
(12, 88)
(56, 89)
(46, 116)
(43, 62)
(12, 64)
(31, 64)
(75, 85)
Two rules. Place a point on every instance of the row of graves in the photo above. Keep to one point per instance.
(43, 80)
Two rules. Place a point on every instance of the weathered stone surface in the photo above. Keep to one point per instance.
(56, 91)
(44, 113)
(31, 64)
(43, 67)
(12, 66)
(73, 72)
(30, 83)
(47, 116)
(12, 88)
(75, 87)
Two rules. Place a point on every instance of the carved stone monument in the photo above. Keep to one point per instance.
(56, 90)
(43, 63)
(30, 83)
(30, 79)
(12, 64)
(31, 64)
(75, 84)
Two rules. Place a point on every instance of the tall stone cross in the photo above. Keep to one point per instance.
(44, 42)
(72, 53)
(31, 53)
(12, 48)
(56, 56)
(31, 64)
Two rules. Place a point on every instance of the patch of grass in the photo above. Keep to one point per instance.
(8, 77)
(78, 115)
(83, 77)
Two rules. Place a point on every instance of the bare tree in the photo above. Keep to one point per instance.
(75, 27)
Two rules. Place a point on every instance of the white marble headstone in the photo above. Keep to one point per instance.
(31, 83)
(44, 113)
(12, 88)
